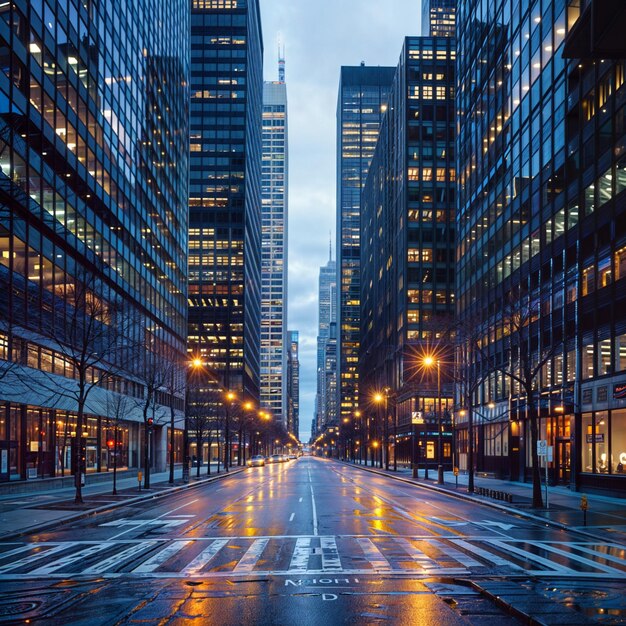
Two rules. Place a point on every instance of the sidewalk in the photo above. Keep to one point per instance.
(42, 510)
(606, 516)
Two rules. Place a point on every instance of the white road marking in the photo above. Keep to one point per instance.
(457, 555)
(36, 557)
(492, 559)
(330, 555)
(205, 556)
(300, 556)
(556, 568)
(300, 500)
(315, 527)
(291, 517)
(117, 559)
(66, 561)
(373, 555)
(551, 564)
(15, 551)
(252, 556)
(182, 506)
(601, 555)
(158, 559)
(424, 561)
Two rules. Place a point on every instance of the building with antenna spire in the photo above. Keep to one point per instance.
(274, 212)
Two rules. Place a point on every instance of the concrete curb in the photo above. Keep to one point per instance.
(503, 604)
(493, 505)
(115, 505)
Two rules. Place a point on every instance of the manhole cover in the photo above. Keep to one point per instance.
(18, 608)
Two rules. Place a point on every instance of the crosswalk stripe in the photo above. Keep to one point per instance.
(252, 556)
(457, 555)
(159, 558)
(300, 556)
(373, 554)
(492, 559)
(581, 559)
(204, 557)
(330, 554)
(601, 555)
(36, 557)
(117, 559)
(529, 556)
(68, 560)
(15, 551)
(418, 556)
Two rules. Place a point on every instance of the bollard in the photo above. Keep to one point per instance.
(139, 479)
(456, 477)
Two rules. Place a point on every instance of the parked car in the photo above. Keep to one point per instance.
(275, 458)
(256, 461)
(292, 457)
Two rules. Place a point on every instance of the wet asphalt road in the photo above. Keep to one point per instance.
(308, 542)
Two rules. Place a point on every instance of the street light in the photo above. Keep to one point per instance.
(429, 361)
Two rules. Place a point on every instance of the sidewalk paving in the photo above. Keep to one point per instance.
(42, 510)
(606, 515)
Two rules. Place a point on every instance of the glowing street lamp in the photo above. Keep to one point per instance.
(428, 361)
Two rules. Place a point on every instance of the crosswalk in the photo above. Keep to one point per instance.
(301, 556)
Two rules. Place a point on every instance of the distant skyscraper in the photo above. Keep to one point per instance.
(293, 383)
(225, 191)
(326, 316)
(360, 107)
(439, 18)
(273, 391)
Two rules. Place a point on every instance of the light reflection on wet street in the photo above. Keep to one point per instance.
(306, 542)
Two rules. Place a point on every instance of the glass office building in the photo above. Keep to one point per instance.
(225, 191)
(293, 383)
(439, 18)
(93, 217)
(407, 249)
(274, 219)
(541, 223)
(360, 108)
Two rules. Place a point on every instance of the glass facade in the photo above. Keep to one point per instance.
(293, 383)
(93, 218)
(360, 108)
(274, 219)
(541, 224)
(439, 18)
(408, 234)
(225, 191)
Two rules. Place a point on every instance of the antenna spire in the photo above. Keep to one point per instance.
(281, 62)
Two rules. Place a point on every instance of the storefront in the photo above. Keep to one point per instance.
(43, 443)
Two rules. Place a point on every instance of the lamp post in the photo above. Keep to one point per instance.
(230, 397)
(429, 361)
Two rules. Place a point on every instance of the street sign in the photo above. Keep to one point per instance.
(550, 454)
(417, 417)
(542, 447)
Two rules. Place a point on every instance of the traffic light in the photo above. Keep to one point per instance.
(150, 422)
(111, 443)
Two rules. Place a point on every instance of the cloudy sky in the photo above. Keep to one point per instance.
(319, 38)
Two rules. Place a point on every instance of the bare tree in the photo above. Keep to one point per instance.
(89, 335)
(526, 358)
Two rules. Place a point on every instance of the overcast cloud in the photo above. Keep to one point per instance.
(319, 38)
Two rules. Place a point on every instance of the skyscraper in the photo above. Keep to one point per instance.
(327, 315)
(439, 18)
(293, 383)
(225, 191)
(407, 246)
(542, 231)
(93, 223)
(274, 219)
(361, 104)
